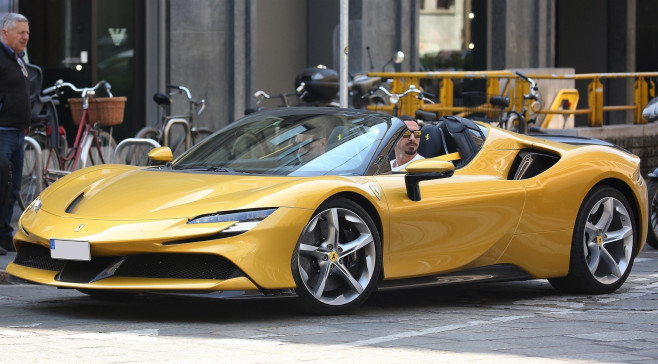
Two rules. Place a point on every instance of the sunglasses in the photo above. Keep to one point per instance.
(407, 133)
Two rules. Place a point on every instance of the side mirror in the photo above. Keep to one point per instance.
(161, 155)
(424, 170)
(398, 57)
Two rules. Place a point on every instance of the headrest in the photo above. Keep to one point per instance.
(431, 142)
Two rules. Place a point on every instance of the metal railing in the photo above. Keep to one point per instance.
(564, 103)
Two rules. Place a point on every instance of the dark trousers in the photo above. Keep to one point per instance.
(11, 146)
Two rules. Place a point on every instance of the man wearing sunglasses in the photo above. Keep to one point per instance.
(406, 149)
(14, 110)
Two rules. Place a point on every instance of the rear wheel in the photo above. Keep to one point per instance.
(652, 235)
(97, 150)
(516, 122)
(604, 244)
(338, 258)
(199, 134)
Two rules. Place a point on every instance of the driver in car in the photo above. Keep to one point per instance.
(406, 149)
(313, 144)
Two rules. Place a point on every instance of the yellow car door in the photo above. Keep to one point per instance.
(463, 220)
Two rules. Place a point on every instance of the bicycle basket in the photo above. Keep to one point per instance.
(107, 111)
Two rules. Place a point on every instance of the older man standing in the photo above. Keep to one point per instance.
(14, 110)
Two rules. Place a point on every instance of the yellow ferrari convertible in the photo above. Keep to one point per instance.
(303, 202)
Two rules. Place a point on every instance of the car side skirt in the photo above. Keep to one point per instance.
(493, 273)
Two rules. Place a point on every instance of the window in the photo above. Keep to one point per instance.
(437, 6)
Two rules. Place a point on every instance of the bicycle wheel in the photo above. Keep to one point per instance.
(199, 134)
(177, 140)
(137, 155)
(98, 148)
(516, 122)
(31, 178)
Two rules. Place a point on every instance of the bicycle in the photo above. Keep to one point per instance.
(178, 142)
(92, 145)
(44, 132)
(515, 120)
(410, 101)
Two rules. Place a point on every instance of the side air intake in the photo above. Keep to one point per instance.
(530, 163)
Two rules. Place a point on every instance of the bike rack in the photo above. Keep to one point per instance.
(188, 133)
(132, 142)
(39, 158)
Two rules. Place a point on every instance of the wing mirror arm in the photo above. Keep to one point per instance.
(412, 180)
(424, 170)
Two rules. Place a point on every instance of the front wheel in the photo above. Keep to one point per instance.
(652, 235)
(604, 244)
(516, 122)
(338, 258)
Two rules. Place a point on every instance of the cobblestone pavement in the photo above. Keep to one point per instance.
(513, 322)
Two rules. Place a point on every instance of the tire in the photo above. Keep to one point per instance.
(97, 151)
(652, 235)
(516, 122)
(33, 179)
(32, 175)
(199, 134)
(177, 140)
(604, 244)
(137, 155)
(338, 258)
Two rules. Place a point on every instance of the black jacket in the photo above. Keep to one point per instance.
(14, 92)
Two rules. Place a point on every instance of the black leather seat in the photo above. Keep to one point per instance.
(432, 142)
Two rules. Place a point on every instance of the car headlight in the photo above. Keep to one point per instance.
(34, 205)
(245, 220)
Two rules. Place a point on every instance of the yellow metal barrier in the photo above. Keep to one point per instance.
(565, 103)
(644, 89)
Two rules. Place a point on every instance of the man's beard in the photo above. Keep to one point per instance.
(410, 148)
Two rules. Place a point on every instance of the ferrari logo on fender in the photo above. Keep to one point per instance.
(79, 227)
(333, 256)
(599, 239)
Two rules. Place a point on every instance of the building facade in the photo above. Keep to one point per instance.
(225, 50)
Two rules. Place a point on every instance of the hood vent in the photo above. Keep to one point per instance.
(69, 209)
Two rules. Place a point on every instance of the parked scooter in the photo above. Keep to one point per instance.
(314, 86)
(318, 86)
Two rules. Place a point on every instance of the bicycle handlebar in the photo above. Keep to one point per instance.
(394, 98)
(182, 89)
(86, 91)
(533, 86)
(201, 104)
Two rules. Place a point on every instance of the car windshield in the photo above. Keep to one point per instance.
(292, 143)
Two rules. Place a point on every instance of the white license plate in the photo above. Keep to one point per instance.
(70, 249)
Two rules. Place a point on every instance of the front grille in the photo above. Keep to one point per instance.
(174, 266)
(186, 266)
(37, 256)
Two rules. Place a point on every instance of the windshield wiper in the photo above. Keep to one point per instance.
(197, 168)
(222, 169)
